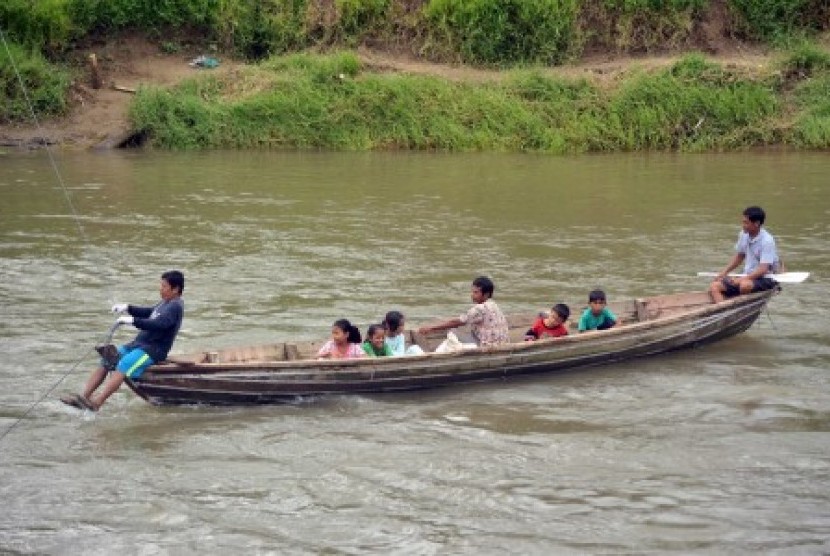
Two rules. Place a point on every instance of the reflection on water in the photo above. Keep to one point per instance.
(722, 449)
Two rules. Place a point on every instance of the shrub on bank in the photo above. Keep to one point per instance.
(805, 60)
(474, 31)
(46, 25)
(808, 69)
(639, 25)
(43, 85)
(502, 31)
(111, 15)
(52, 25)
(359, 18)
(775, 20)
(812, 128)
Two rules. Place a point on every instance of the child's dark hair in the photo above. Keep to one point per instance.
(485, 285)
(596, 295)
(373, 328)
(175, 279)
(350, 329)
(562, 310)
(755, 214)
(392, 321)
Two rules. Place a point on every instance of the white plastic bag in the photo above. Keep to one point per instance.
(414, 350)
(450, 345)
(453, 344)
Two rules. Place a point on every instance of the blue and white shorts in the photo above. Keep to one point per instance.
(132, 362)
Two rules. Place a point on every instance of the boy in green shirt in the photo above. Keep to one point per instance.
(597, 316)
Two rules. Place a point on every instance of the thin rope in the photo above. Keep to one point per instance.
(769, 316)
(44, 396)
(46, 143)
(107, 339)
(75, 217)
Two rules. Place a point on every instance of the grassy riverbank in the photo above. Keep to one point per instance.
(331, 102)
(275, 97)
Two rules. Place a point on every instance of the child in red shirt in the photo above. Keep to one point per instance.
(551, 325)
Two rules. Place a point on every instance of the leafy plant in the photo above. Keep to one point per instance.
(45, 24)
(812, 127)
(169, 47)
(805, 60)
(498, 31)
(779, 19)
(43, 85)
(360, 17)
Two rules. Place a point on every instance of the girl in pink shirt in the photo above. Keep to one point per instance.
(344, 343)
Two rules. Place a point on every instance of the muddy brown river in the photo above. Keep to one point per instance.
(718, 450)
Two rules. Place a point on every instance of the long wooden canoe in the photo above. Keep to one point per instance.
(284, 372)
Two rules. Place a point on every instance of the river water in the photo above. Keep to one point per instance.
(724, 449)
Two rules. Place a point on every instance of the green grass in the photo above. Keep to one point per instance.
(778, 21)
(493, 32)
(812, 126)
(805, 60)
(306, 101)
(45, 84)
(693, 106)
(502, 31)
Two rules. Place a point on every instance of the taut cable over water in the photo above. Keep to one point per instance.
(75, 217)
(31, 107)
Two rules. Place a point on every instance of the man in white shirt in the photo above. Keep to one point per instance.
(756, 249)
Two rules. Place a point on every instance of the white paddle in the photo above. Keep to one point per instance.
(782, 278)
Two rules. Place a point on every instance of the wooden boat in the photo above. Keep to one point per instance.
(285, 372)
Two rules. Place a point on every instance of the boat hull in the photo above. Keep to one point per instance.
(263, 382)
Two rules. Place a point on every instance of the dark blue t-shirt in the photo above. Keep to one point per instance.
(159, 326)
